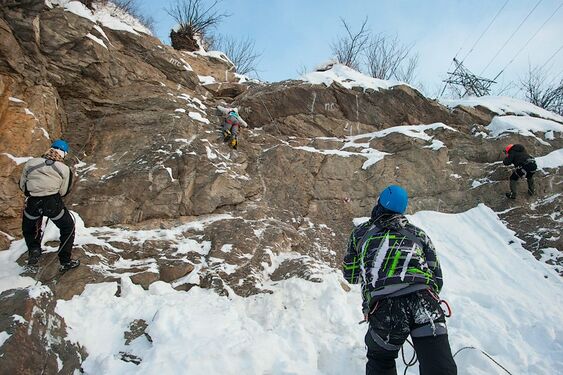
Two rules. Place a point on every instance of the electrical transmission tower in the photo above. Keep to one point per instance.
(466, 83)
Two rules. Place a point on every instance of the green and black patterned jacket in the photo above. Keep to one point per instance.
(391, 257)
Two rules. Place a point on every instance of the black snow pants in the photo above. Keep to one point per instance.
(419, 315)
(53, 207)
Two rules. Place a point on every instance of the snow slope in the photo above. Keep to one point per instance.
(504, 302)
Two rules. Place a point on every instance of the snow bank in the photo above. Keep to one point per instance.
(17, 159)
(107, 15)
(552, 160)
(503, 105)
(348, 78)
(504, 302)
(523, 125)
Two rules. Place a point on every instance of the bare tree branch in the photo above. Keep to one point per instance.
(241, 52)
(544, 94)
(347, 49)
(387, 58)
(195, 16)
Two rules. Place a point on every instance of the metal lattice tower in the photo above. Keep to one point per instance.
(465, 83)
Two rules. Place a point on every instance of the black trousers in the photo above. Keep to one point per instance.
(53, 207)
(417, 314)
(521, 173)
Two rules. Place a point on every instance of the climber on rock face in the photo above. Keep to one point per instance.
(45, 181)
(400, 275)
(525, 166)
(232, 125)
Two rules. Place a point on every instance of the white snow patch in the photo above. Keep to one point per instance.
(97, 40)
(15, 100)
(206, 79)
(101, 31)
(18, 160)
(107, 15)
(29, 113)
(3, 337)
(198, 117)
(348, 78)
(523, 125)
(19, 319)
(181, 110)
(226, 248)
(169, 170)
(210, 153)
(414, 131)
(372, 155)
(552, 160)
(45, 133)
(479, 182)
(503, 105)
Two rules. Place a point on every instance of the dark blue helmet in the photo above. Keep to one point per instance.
(394, 198)
(59, 144)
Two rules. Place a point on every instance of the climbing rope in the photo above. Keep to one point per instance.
(486, 354)
(40, 273)
(413, 360)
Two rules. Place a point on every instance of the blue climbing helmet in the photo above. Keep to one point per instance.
(59, 144)
(394, 198)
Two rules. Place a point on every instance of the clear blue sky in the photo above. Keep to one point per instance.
(295, 33)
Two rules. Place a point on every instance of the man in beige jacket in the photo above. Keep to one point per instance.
(45, 181)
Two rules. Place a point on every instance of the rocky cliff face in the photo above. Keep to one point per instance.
(162, 197)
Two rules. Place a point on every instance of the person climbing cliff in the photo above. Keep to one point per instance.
(525, 166)
(44, 181)
(400, 275)
(231, 125)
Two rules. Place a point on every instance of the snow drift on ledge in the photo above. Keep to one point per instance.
(348, 78)
(107, 15)
(504, 105)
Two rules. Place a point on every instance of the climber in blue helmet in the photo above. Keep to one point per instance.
(44, 181)
(400, 275)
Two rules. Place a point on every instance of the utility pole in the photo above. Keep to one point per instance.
(465, 83)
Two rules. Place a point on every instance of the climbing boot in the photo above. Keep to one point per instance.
(73, 263)
(513, 185)
(34, 255)
(531, 187)
(233, 143)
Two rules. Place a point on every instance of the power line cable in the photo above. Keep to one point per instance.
(474, 44)
(552, 56)
(485, 31)
(529, 40)
(511, 36)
